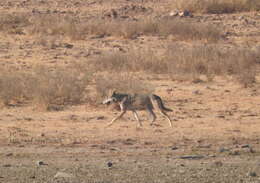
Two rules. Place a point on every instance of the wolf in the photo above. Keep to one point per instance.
(134, 102)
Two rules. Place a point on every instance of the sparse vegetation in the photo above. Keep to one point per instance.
(212, 60)
(13, 23)
(218, 6)
(14, 87)
(193, 61)
(47, 88)
(61, 86)
(77, 29)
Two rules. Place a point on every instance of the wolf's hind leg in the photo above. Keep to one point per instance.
(137, 118)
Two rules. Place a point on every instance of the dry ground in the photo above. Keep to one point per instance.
(216, 123)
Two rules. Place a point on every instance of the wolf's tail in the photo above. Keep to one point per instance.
(160, 103)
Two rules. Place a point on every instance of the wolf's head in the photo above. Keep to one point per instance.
(111, 99)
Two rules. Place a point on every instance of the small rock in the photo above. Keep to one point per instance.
(109, 164)
(100, 117)
(245, 146)
(220, 116)
(67, 45)
(222, 149)
(9, 154)
(234, 153)
(218, 163)
(192, 157)
(63, 175)
(251, 174)
(241, 17)
(196, 92)
(212, 156)
(227, 91)
(40, 163)
(6, 165)
(41, 135)
(174, 148)
(204, 146)
(251, 150)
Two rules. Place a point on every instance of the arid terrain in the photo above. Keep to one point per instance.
(59, 59)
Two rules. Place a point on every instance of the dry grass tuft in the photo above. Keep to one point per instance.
(218, 6)
(59, 87)
(135, 61)
(44, 87)
(14, 87)
(212, 60)
(13, 23)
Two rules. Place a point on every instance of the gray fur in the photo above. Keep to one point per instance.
(136, 102)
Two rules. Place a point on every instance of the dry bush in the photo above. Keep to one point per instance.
(211, 60)
(54, 25)
(134, 61)
(14, 87)
(13, 23)
(59, 87)
(187, 30)
(78, 29)
(187, 62)
(122, 82)
(45, 87)
(181, 29)
(218, 6)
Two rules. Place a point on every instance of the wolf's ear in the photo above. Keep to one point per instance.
(113, 92)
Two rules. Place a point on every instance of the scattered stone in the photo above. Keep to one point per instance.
(241, 17)
(251, 150)
(28, 118)
(174, 148)
(109, 164)
(40, 163)
(67, 45)
(9, 154)
(251, 174)
(234, 153)
(158, 131)
(220, 116)
(197, 92)
(63, 175)
(245, 146)
(100, 117)
(222, 149)
(192, 157)
(6, 165)
(41, 135)
(218, 163)
(204, 146)
(212, 156)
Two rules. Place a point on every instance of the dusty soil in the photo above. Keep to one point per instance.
(216, 124)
